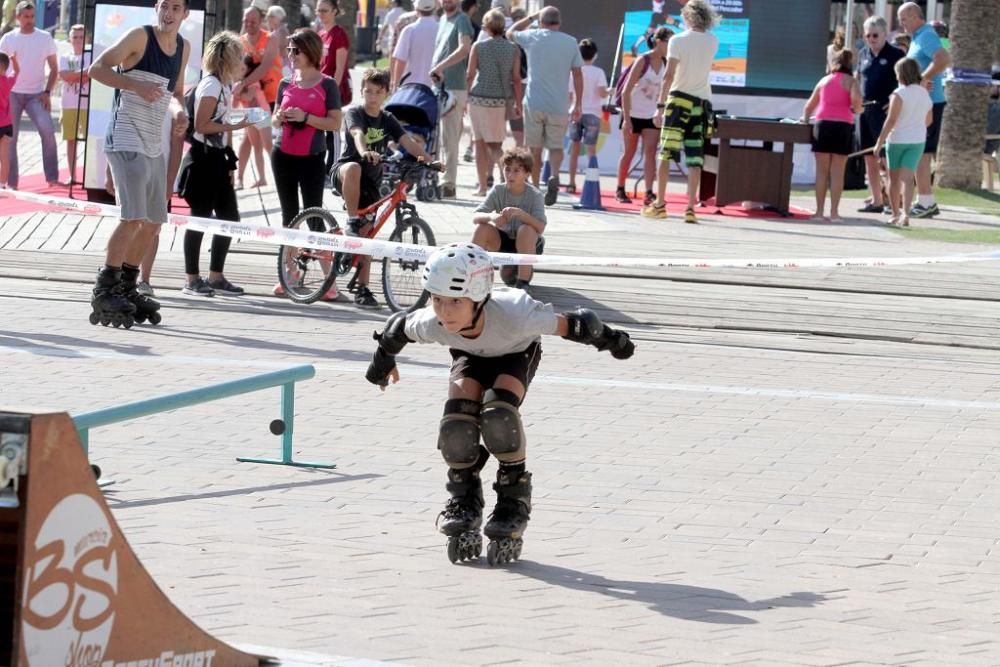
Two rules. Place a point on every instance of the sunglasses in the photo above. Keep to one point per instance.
(293, 50)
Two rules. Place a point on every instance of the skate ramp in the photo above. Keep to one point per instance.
(72, 592)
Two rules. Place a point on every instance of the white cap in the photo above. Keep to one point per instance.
(262, 5)
(425, 5)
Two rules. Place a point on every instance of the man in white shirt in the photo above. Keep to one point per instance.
(415, 49)
(685, 96)
(33, 91)
(388, 22)
(76, 85)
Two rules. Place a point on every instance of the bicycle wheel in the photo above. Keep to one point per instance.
(401, 277)
(304, 273)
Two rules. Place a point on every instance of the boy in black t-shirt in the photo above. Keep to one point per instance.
(367, 131)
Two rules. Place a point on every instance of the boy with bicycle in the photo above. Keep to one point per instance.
(356, 175)
(494, 337)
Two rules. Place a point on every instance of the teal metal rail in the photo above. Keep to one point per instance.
(285, 426)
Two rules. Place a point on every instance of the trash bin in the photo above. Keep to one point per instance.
(366, 42)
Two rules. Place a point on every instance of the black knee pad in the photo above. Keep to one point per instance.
(458, 437)
(503, 432)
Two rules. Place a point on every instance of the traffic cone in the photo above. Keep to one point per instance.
(590, 196)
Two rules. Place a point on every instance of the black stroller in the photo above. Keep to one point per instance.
(419, 108)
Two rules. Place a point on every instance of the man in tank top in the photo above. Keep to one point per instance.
(146, 69)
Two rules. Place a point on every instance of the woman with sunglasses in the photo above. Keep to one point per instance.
(307, 106)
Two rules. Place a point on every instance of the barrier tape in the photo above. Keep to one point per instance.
(408, 251)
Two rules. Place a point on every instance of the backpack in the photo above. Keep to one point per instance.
(623, 78)
(189, 109)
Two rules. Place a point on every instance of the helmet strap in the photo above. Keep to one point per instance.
(475, 317)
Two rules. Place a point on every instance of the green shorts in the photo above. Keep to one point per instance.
(904, 156)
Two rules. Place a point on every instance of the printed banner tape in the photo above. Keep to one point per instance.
(379, 249)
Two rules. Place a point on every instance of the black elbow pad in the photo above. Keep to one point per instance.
(393, 338)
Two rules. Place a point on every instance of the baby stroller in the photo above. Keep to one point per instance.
(419, 109)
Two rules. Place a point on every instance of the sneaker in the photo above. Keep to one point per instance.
(571, 189)
(448, 192)
(655, 211)
(689, 217)
(649, 198)
(278, 290)
(468, 157)
(919, 211)
(621, 197)
(489, 181)
(223, 286)
(198, 288)
(552, 191)
(872, 208)
(364, 298)
(354, 226)
(143, 288)
(333, 294)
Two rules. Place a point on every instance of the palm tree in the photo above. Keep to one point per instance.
(974, 27)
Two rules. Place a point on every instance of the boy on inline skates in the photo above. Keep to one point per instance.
(494, 337)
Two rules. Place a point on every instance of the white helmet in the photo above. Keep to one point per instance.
(459, 269)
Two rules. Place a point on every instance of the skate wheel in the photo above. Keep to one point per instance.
(517, 550)
(116, 323)
(453, 549)
(105, 321)
(128, 321)
(139, 319)
(155, 318)
(94, 318)
(493, 553)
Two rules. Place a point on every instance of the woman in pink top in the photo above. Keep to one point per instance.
(832, 105)
(6, 124)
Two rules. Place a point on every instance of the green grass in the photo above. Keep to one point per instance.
(983, 236)
(981, 201)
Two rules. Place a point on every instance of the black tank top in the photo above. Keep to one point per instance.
(155, 61)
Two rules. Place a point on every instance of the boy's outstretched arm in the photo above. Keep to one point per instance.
(390, 342)
(584, 326)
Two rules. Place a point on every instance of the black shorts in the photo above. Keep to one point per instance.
(639, 124)
(369, 186)
(831, 136)
(485, 370)
(7, 131)
(870, 126)
(507, 242)
(934, 129)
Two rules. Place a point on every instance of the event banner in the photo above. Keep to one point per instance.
(111, 21)
(730, 65)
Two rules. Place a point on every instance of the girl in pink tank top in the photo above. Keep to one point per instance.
(834, 101)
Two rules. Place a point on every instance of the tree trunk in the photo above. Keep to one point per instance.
(348, 19)
(293, 13)
(974, 26)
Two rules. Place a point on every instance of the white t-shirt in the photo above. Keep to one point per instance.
(593, 81)
(694, 52)
(416, 47)
(210, 86)
(31, 50)
(70, 91)
(646, 91)
(513, 321)
(911, 126)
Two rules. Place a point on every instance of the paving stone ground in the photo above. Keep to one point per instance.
(797, 467)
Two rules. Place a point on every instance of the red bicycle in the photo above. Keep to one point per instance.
(306, 274)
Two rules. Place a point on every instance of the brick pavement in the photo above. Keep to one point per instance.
(801, 491)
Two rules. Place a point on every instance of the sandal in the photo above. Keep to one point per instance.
(689, 217)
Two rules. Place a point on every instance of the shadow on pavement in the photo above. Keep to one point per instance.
(49, 344)
(692, 603)
(564, 300)
(329, 478)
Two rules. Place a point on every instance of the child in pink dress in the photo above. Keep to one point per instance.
(6, 123)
